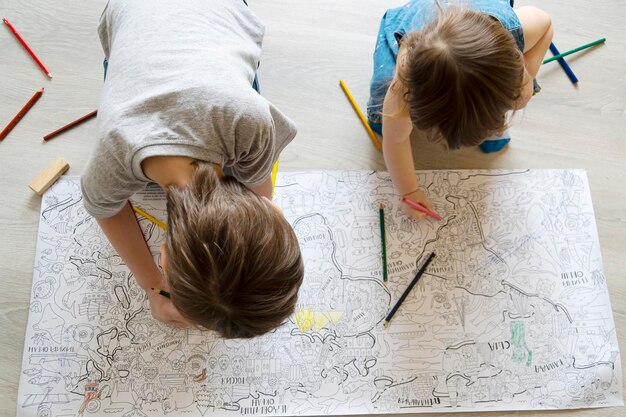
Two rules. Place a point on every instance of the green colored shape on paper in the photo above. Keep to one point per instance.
(518, 341)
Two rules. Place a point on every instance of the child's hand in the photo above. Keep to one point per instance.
(163, 310)
(419, 197)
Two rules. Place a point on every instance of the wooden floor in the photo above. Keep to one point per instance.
(309, 46)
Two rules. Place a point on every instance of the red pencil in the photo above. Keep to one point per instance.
(21, 114)
(70, 125)
(25, 45)
(421, 208)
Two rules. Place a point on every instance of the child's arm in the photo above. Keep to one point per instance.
(398, 154)
(125, 235)
(537, 27)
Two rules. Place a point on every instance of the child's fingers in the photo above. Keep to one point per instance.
(415, 214)
(419, 216)
(428, 205)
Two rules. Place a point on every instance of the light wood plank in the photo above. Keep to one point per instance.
(49, 175)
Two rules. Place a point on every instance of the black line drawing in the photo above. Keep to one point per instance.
(513, 313)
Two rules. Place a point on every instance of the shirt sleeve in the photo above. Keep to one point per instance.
(104, 31)
(268, 134)
(108, 181)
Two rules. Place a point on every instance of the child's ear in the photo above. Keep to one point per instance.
(164, 258)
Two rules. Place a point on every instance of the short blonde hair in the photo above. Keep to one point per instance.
(234, 264)
(460, 75)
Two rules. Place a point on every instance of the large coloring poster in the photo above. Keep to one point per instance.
(513, 313)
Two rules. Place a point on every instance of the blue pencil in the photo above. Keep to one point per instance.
(568, 71)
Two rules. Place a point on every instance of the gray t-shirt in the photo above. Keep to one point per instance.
(179, 83)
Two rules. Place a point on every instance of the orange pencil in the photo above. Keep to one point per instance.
(70, 125)
(20, 114)
(25, 45)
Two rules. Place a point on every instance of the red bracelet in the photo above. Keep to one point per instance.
(404, 195)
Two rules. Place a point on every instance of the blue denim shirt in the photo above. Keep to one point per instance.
(414, 16)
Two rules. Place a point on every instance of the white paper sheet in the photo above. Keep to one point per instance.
(513, 314)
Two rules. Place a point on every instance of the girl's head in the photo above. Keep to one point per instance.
(460, 74)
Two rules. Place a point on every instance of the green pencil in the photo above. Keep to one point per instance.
(383, 241)
(580, 48)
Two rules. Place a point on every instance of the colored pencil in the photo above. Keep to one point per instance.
(406, 292)
(383, 240)
(568, 71)
(70, 125)
(162, 292)
(25, 45)
(21, 114)
(138, 224)
(369, 130)
(421, 208)
(580, 48)
(151, 218)
(274, 173)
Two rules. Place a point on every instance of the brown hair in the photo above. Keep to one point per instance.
(460, 75)
(233, 261)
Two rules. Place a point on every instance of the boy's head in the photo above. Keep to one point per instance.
(233, 260)
(461, 74)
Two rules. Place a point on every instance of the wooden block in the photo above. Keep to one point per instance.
(48, 176)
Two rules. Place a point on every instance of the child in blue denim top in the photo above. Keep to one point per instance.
(452, 73)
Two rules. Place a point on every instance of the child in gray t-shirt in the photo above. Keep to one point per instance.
(178, 101)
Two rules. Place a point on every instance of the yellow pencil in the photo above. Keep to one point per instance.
(361, 116)
(151, 218)
(274, 172)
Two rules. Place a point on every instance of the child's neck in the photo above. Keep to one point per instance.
(168, 170)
